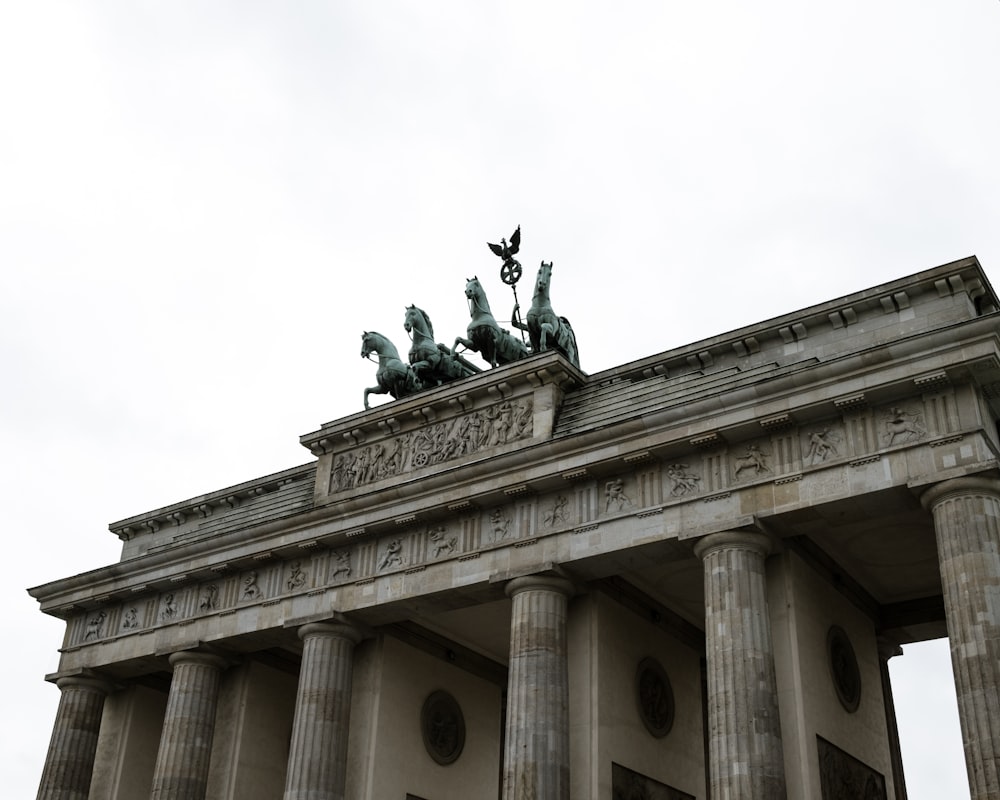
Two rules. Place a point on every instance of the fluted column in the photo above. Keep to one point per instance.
(317, 758)
(181, 771)
(745, 755)
(967, 524)
(69, 764)
(536, 755)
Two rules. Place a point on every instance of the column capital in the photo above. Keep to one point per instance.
(970, 484)
(91, 682)
(760, 543)
(337, 630)
(197, 657)
(545, 583)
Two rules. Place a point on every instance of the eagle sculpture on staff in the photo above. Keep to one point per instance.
(510, 270)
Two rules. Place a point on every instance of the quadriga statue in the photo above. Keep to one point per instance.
(546, 330)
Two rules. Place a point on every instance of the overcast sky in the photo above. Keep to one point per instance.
(202, 205)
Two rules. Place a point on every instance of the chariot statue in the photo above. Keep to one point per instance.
(486, 337)
(546, 330)
(393, 376)
(432, 362)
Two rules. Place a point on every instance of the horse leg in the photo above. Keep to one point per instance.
(466, 343)
(374, 390)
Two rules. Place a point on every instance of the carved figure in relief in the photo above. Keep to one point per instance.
(94, 626)
(822, 445)
(441, 544)
(341, 564)
(393, 376)
(504, 423)
(131, 619)
(296, 576)
(486, 337)
(546, 330)
(209, 597)
(558, 512)
(169, 610)
(500, 523)
(684, 481)
(251, 591)
(614, 495)
(393, 556)
(755, 459)
(902, 423)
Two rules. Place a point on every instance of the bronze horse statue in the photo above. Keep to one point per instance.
(433, 363)
(486, 337)
(393, 376)
(546, 330)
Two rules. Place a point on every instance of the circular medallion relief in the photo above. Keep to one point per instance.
(655, 697)
(844, 668)
(443, 727)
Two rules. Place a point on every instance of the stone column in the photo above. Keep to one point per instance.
(317, 758)
(69, 764)
(536, 752)
(967, 524)
(887, 650)
(745, 755)
(181, 771)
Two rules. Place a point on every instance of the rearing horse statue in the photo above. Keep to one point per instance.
(393, 376)
(487, 338)
(433, 363)
(545, 329)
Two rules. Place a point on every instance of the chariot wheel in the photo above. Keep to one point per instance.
(420, 459)
(510, 272)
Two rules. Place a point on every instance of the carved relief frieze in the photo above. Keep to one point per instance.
(440, 543)
(250, 590)
(754, 463)
(683, 480)
(901, 425)
(391, 555)
(844, 777)
(821, 444)
(208, 597)
(340, 564)
(95, 626)
(499, 525)
(499, 424)
(558, 513)
(615, 498)
(169, 609)
(131, 619)
(296, 576)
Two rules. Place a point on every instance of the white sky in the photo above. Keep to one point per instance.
(202, 205)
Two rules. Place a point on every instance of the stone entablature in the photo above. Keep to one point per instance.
(934, 299)
(744, 446)
(254, 502)
(485, 416)
(707, 489)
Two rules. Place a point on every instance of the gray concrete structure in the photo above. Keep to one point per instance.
(680, 577)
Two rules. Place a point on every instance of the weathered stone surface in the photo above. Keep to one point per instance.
(69, 764)
(745, 756)
(181, 771)
(317, 759)
(536, 758)
(967, 521)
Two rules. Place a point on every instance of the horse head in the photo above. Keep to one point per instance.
(367, 344)
(419, 319)
(543, 278)
(473, 287)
